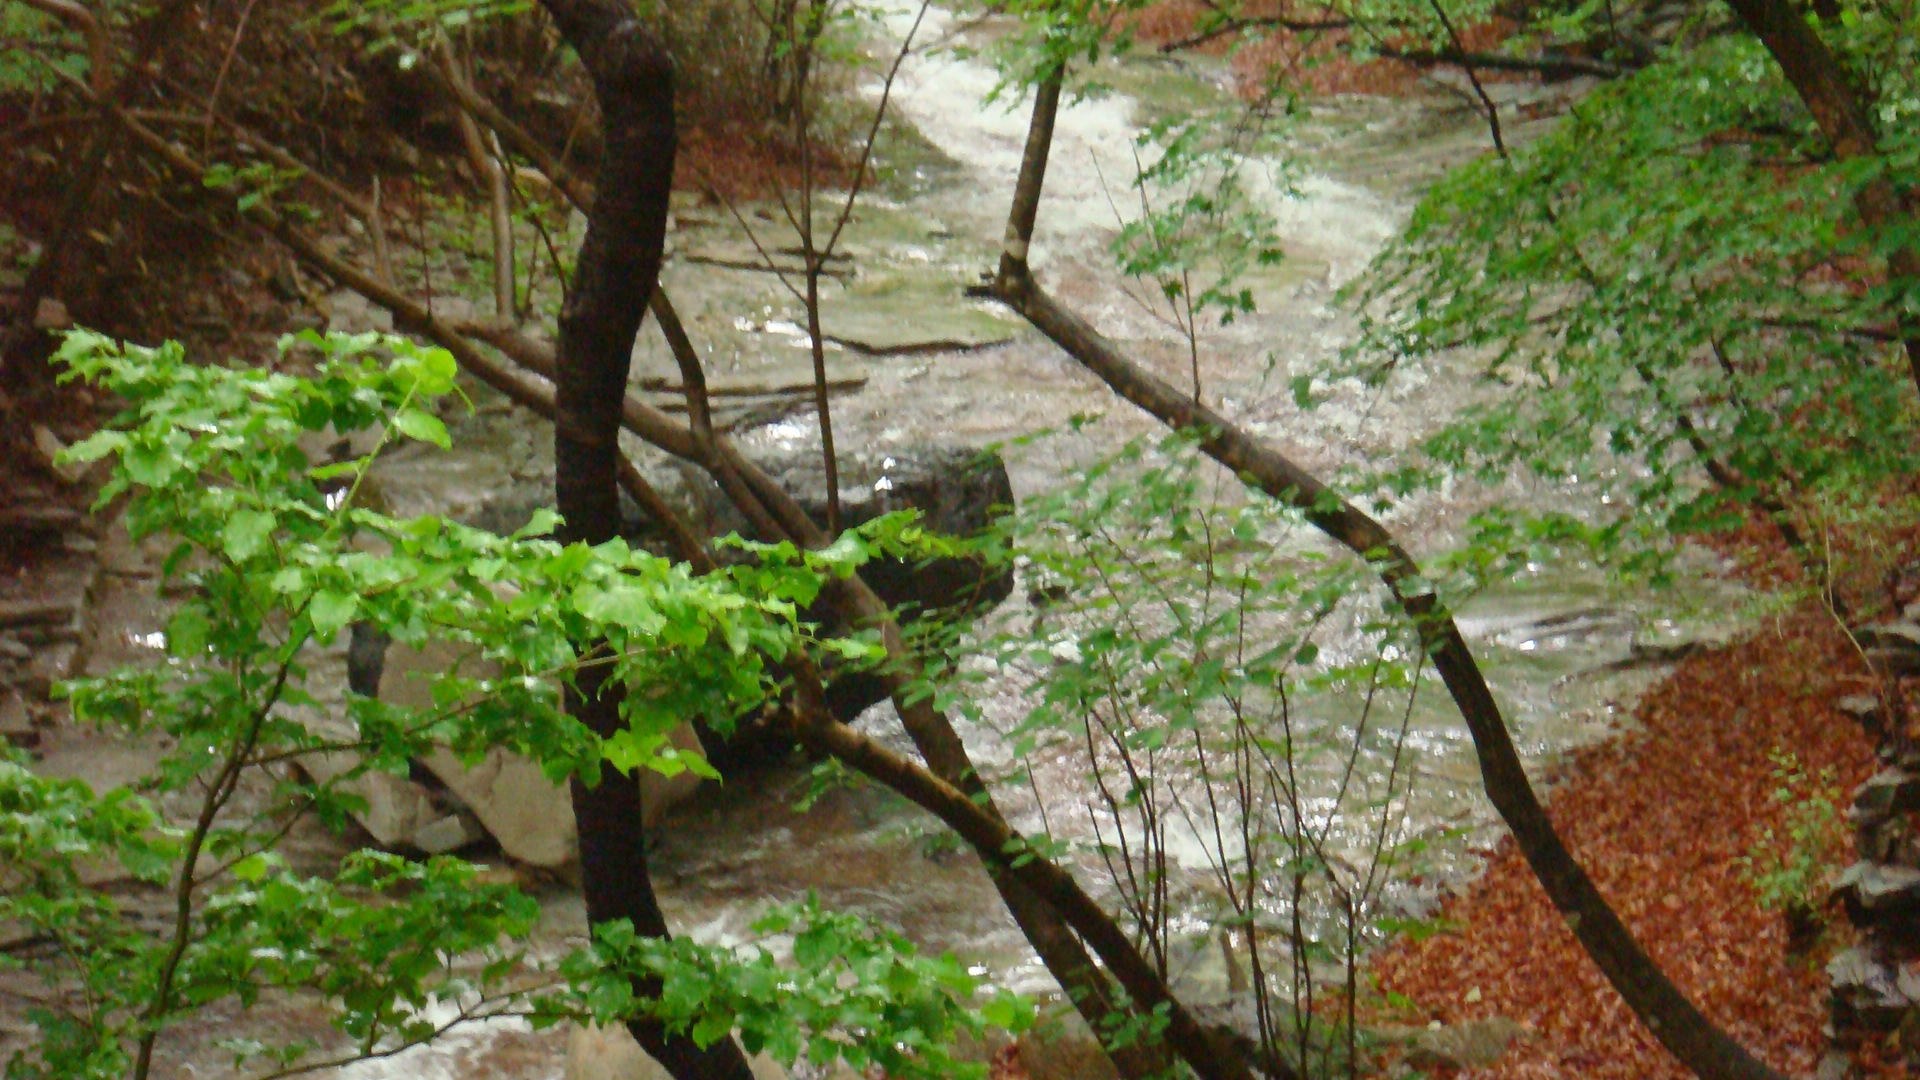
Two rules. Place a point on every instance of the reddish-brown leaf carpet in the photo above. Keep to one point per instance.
(1661, 819)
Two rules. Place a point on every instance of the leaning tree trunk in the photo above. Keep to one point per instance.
(618, 268)
(1654, 999)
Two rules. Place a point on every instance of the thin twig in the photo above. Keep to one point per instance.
(1473, 76)
(220, 78)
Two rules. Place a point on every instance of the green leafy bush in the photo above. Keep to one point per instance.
(1669, 302)
(271, 558)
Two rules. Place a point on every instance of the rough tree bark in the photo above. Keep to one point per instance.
(618, 267)
(1660, 1005)
(1841, 111)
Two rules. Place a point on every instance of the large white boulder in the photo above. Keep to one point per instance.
(597, 1053)
(530, 816)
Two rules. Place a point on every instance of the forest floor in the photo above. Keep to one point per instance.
(1663, 819)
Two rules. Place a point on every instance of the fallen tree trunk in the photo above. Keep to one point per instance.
(1667, 1013)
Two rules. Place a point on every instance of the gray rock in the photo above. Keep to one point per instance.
(51, 664)
(1892, 647)
(1474, 1044)
(1865, 710)
(350, 313)
(1834, 1065)
(1887, 792)
(396, 810)
(49, 446)
(51, 314)
(1858, 706)
(1866, 992)
(16, 723)
(1879, 894)
(33, 522)
(120, 554)
(400, 813)
(1898, 634)
(38, 611)
(104, 767)
(513, 801)
(1880, 838)
(450, 833)
(1876, 884)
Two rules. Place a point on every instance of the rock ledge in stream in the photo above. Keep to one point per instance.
(958, 490)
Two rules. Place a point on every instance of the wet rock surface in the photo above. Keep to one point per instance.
(44, 619)
(957, 490)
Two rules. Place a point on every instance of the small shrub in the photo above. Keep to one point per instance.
(1788, 874)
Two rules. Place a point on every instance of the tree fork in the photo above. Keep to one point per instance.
(1655, 1000)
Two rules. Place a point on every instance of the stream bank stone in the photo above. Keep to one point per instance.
(1892, 647)
(958, 490)
(1875, 983)
(504, 795)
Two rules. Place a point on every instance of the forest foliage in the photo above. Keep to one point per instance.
(274, 556)
(1679, 303)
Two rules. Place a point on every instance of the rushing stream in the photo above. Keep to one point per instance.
(1551, 644)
